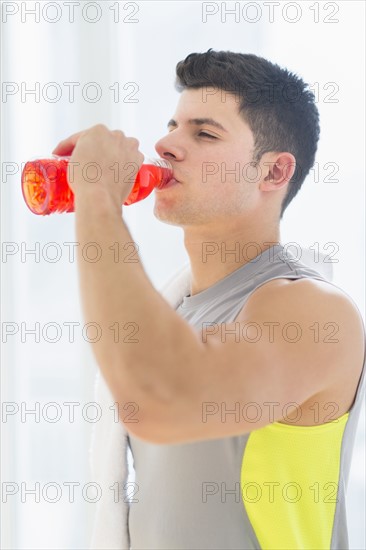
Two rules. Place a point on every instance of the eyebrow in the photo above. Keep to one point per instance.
(199, 122)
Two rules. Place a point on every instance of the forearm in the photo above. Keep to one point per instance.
(118, 296)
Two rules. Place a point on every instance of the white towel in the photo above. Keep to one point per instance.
(108, 452)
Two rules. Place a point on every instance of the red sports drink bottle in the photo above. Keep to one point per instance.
(46, 190)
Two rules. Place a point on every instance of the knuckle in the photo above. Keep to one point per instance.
(119, 133)
(134, 142)
(100, 127)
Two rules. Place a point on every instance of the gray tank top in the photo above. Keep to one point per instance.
(281, 486)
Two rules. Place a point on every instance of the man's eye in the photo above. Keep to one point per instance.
(207, 135)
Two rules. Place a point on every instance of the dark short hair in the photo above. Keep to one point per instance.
(277, 105)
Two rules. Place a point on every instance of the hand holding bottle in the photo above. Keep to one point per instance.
(48, 184)
(112, 161)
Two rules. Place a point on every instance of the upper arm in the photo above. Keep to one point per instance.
(290, 341)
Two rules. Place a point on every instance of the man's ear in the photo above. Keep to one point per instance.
(277, 169)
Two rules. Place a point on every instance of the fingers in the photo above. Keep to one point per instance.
(131, 141)
(66, 146)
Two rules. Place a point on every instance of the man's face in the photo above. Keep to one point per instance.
(218, 183)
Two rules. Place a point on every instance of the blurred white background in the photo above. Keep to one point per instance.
(137, 45)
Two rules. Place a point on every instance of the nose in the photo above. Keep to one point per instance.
(168, 148)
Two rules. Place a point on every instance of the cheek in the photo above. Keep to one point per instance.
(225, 176)
(217, 166)
(213, 169)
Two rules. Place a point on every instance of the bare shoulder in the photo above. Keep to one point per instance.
(310, 299)
(331, 316)
(315, 293)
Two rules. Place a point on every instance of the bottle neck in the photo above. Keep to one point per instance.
(167, 168)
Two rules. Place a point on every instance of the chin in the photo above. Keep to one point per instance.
(165, 216)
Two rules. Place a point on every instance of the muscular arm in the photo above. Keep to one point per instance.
(177, 375)
(119, 292)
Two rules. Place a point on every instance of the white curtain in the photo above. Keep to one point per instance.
(118, 59)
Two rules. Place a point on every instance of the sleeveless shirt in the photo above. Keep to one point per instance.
(282, 486)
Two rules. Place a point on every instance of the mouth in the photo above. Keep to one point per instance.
(168, 184)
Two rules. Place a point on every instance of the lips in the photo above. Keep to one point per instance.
(174, 178)
(168, 184)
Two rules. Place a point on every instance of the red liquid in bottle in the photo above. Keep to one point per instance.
(46, 190)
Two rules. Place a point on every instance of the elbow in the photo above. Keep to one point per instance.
(147, 418)
(155, 422)
(148, 430)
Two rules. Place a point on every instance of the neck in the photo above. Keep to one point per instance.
(215, 253)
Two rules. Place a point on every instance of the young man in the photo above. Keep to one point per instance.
(248, 392)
